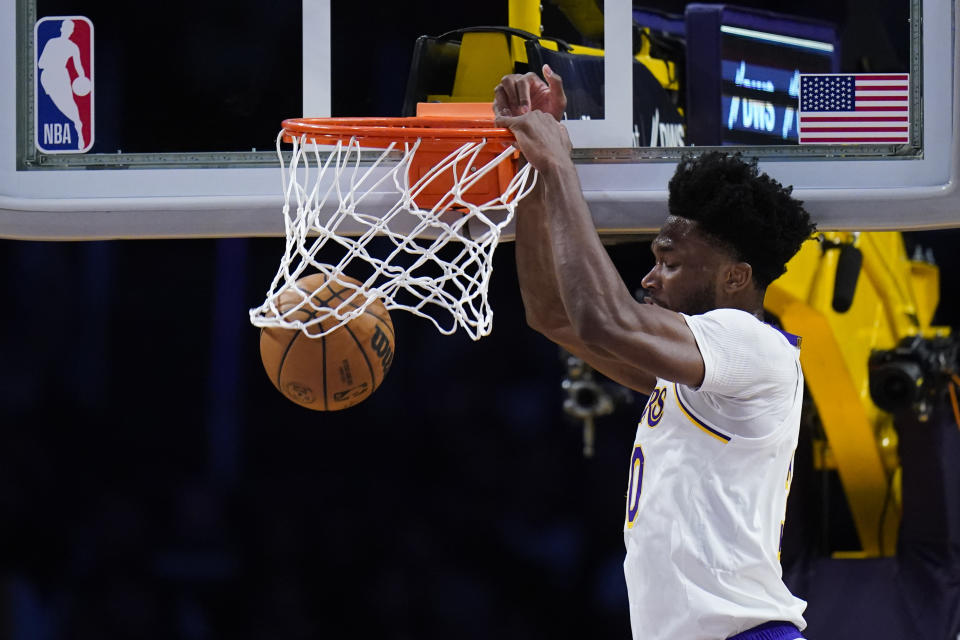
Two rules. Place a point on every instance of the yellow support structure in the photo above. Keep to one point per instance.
(484, 60)
(526, 15)
(894, 298)
(664, 71)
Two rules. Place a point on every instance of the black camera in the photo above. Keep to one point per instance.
(910, 376)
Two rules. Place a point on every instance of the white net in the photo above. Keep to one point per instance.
(434, 262)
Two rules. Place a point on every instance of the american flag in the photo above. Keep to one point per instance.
(871, 108)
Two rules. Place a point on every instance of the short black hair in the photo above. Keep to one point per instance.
(742, 210)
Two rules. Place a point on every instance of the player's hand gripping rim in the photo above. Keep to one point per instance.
(518, 94)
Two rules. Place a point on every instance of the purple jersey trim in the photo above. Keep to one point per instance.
(697, 421)
(770, 631)
(794, 340)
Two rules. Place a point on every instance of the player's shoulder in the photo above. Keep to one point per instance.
(742, 325)
(731, 319)
(743, 356)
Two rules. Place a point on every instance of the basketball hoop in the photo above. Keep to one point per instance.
(441, 192)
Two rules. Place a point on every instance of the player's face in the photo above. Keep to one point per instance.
(685, 275)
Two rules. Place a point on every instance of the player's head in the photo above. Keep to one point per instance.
(730, 233)
(66, 28)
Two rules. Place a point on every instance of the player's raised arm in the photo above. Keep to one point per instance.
(545, 311)
(538, 284)
(535, 270)
(571, 289)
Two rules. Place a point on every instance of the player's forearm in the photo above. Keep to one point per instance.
(535, 270)
(592, 292)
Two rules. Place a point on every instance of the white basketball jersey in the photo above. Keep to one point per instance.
(707, 492)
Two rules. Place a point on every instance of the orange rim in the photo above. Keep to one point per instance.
(380, 132)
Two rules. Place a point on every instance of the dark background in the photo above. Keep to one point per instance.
(154, 484)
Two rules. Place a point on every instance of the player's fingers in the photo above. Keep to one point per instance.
(529, 85)
(501, 102)
(557, 94)
(510, 92)
(519, 126)
(554, 80)
(505, 120)
(530, 128)
(523, 91)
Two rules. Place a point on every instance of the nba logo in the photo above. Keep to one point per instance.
(63, 84)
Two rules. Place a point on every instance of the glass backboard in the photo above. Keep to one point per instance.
(183, 114)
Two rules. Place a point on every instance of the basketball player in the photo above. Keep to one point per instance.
(711, 465)
(55, 78)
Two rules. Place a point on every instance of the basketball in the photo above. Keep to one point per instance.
(81, 85)
(335, 371)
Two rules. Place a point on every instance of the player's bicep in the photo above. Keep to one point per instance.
(629, 376)
(652, 339)
(620, 371)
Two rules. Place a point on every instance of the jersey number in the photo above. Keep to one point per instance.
(634, 485)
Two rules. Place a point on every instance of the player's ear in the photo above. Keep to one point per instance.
(738, 276)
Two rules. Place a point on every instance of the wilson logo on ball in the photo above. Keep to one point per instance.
(380, 343)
